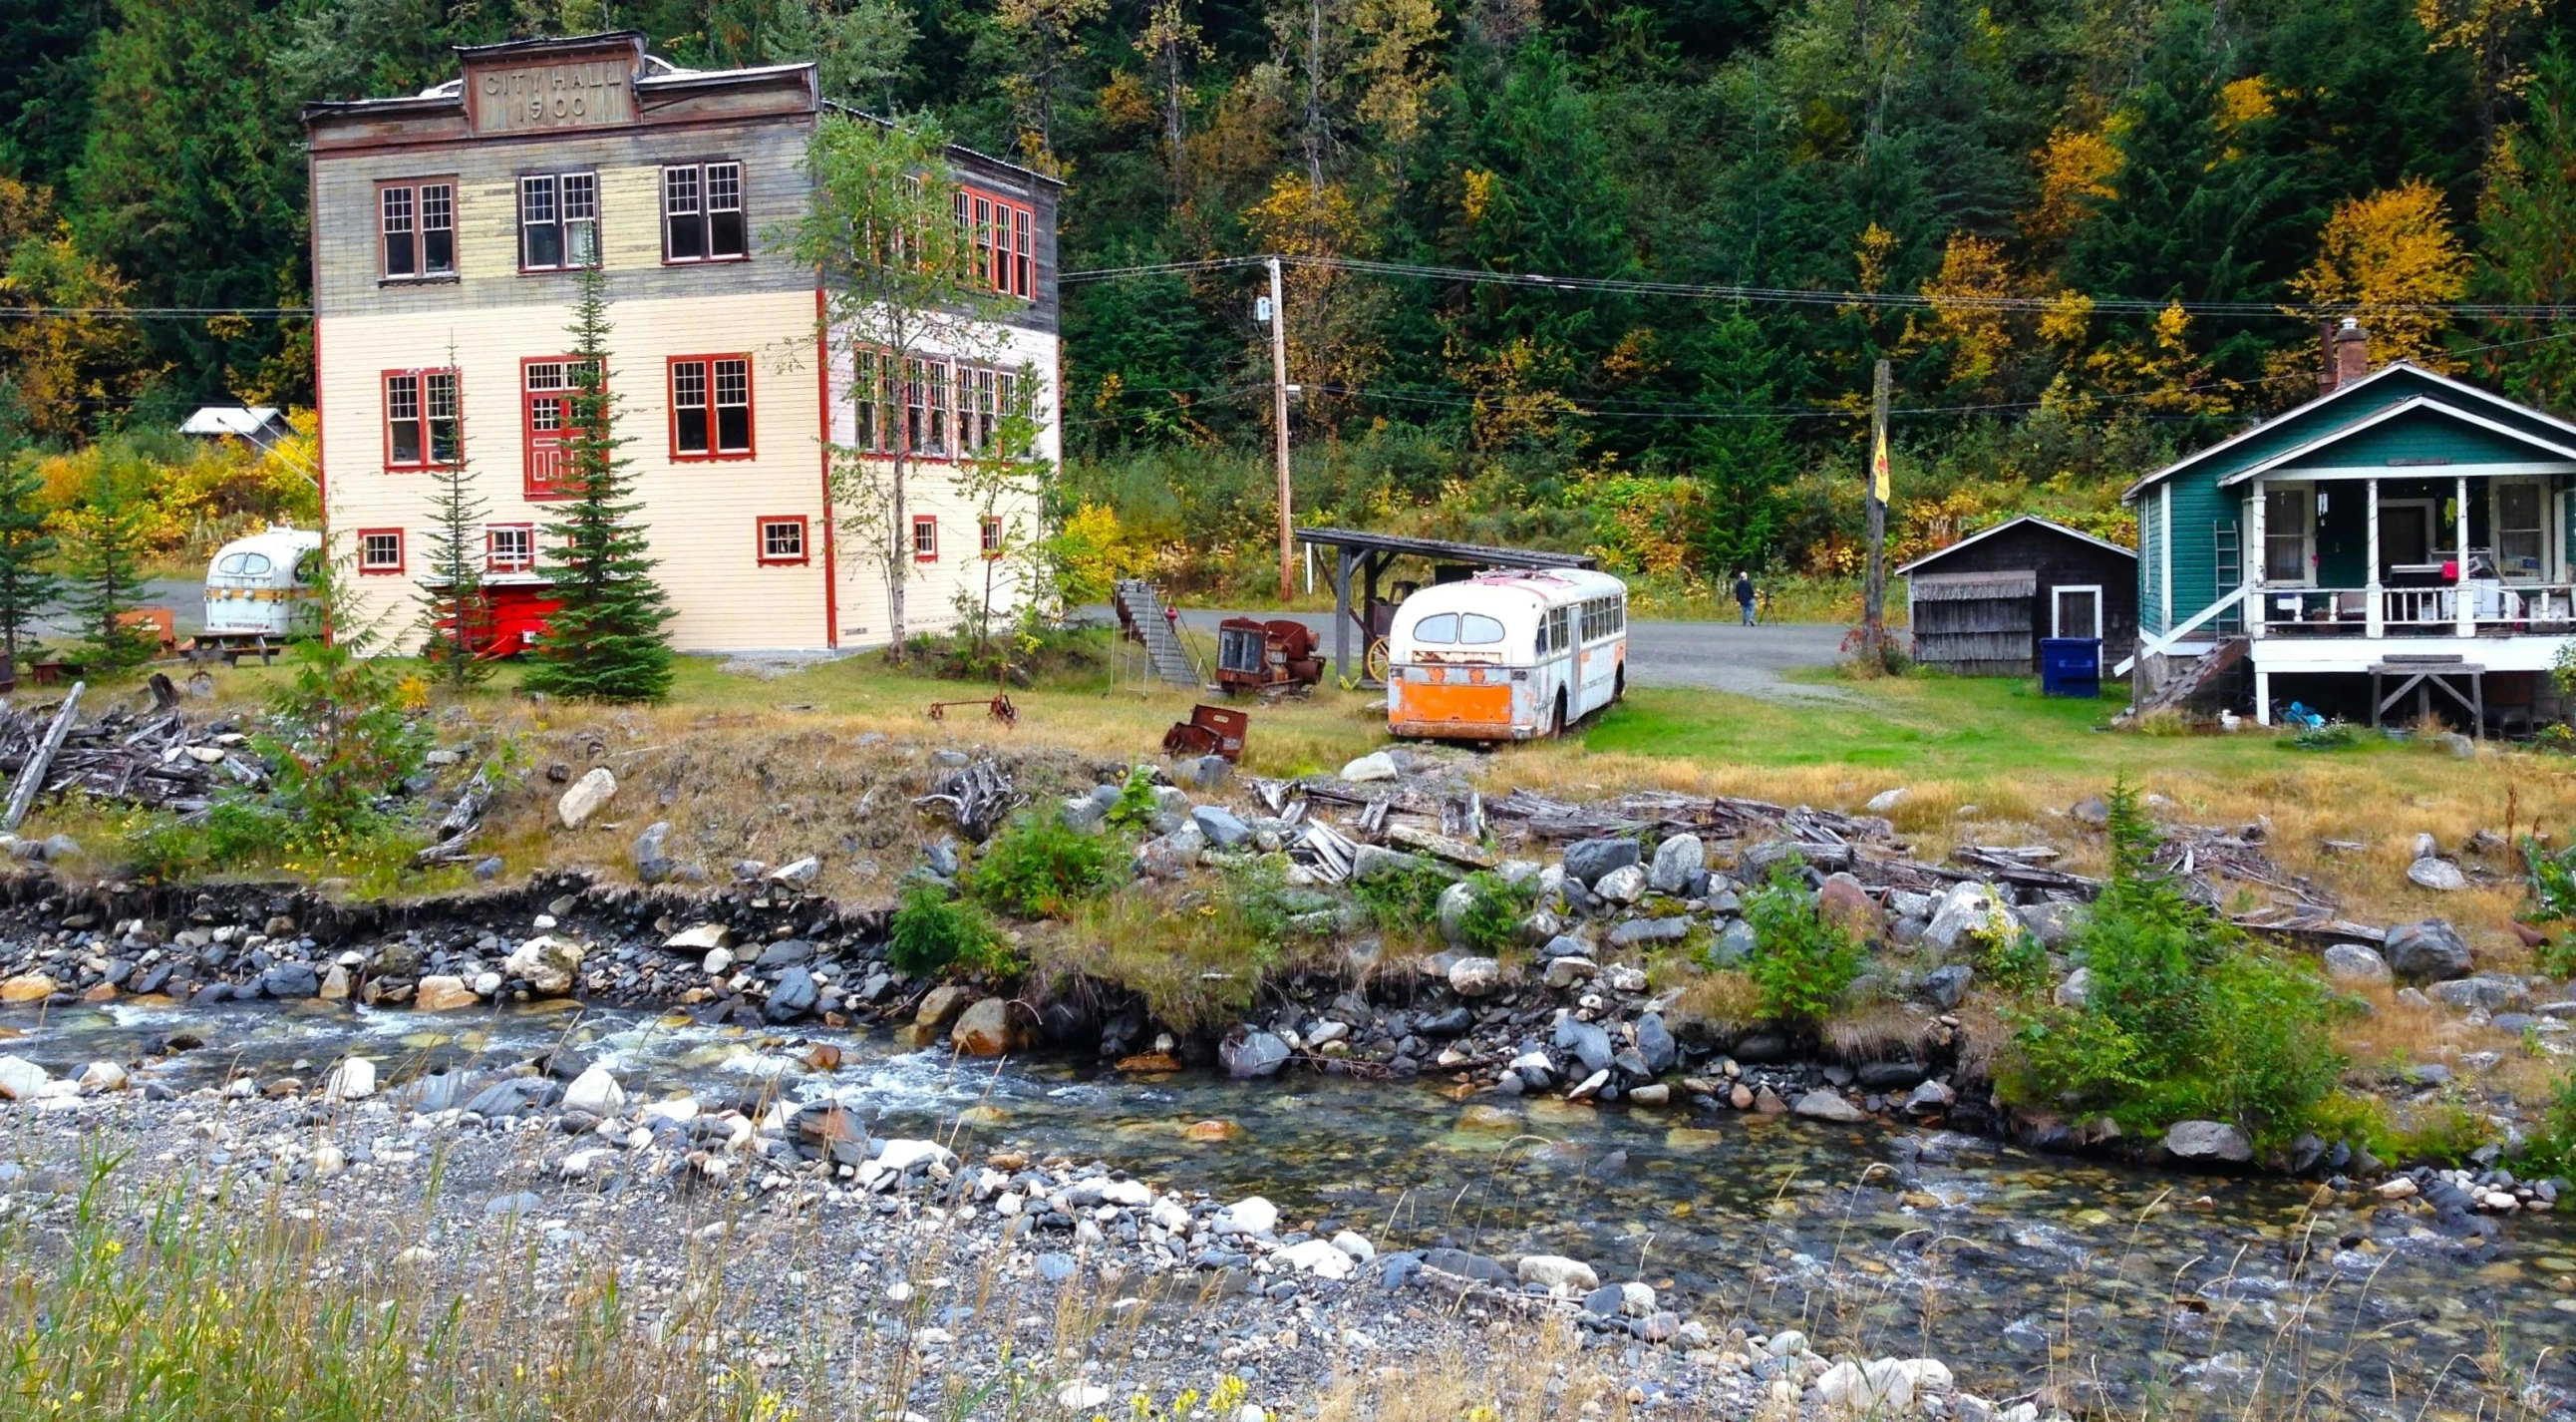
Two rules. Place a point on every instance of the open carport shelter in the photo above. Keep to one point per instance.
(1369, 554)
(1981, 606)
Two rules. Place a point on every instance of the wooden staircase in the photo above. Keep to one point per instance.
(1140, 613)
(2192, 680)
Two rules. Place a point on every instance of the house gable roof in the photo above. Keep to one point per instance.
(2396, 389)
(2051, 525)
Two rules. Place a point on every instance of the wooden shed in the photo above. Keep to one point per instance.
(1980, 606)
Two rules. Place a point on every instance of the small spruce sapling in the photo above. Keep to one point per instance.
(27, 582)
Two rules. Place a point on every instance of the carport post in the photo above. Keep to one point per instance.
(1342, 611)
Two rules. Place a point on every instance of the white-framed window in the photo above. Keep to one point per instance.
(2289, 535)
(2075, 610)
(925, 538)
(380, 550)
(702, 217)
(782, 539)
(2521, 514)
(558, 221)
(510, 547)
(990, 536)
(418, 222)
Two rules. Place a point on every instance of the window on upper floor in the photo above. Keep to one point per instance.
(702, 213)
(420, 418)
(417, 219)
(558, 221)
(710, 407)
(1004, 234)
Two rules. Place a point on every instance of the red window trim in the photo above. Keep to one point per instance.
(920, 522)
(400, 553)
(1013, 221)
(671, 401)
(385, 415)
(528, 487)
(419, 248)
(988, 535)
(804, 540)
(492, 564)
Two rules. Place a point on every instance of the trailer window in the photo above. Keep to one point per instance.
(245, 565)
(1476, 630)
(1438, 630)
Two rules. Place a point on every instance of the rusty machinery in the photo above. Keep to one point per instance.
(1211, 730)
(999, 707)
(1253, 655)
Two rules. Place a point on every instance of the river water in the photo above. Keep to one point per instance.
(2017, 1270)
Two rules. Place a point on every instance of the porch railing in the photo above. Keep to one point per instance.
(2418, 612)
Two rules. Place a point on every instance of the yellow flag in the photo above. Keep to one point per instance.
(1878, 468)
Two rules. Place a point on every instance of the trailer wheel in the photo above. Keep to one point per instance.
(1556, 721)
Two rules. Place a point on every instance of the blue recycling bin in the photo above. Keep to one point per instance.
(2070, 666)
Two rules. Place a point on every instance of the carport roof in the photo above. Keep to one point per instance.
(1441, 550)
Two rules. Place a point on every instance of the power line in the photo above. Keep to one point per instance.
(152, 313)
(1804, 296)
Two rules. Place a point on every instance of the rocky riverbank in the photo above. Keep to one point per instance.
(1623, 909)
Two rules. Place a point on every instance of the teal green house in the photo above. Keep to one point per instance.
(2402, 530)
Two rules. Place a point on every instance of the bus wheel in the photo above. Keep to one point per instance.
(1556, 722)
(1374, 665)
(1619, 682)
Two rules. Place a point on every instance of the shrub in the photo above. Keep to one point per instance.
(2445, 1133)
(1801, 964)
(1038, 867)
(1403, 901)
(932, 933)
(2553, 900)
(2550, 1149)
(1495, 908)
(1136, 807)
(2185, 1019)
(1199, 958)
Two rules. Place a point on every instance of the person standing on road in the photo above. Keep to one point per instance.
(1744, 595)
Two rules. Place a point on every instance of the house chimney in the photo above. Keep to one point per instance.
(2351, 353)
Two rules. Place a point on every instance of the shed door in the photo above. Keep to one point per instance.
(2076, 612)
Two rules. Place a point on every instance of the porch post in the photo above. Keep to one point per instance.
(2262, 696)
(2375, 622)
(2257, 559)
(2464, 619)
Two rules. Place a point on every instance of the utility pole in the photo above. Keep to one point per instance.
(1279, 419)
(1873, 588)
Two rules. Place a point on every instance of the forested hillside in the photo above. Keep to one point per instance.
(2087, 232)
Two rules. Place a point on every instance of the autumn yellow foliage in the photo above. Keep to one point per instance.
(2382, 257)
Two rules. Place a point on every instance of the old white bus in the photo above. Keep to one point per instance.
(1506, 656)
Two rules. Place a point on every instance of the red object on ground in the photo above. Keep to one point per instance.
(517, 618)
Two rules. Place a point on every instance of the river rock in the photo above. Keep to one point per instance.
(1846, 905)
(2208, 1141)
(700, 938)
(1451, 911)
(1638, 931)
(940, 1005)
(2054, 922)
(797, 873)
(2440, 875)
(1932, 1096)
(1555, 1271)
(1376, 765)
(2427, 950)
(596, 1092)
(101, 1076)
(2355, 965)
(1886, 801)
(1828, 1106)
(1733, 944)
(794, 995)
(1172, 855)
(1965, 917)
(1586, 860)
(1318, 1257)
(650, 854)
(586, 798)
(27, 987)
(1476, 977)
(1655, 1043)
(1566, 968)
(547, 963)
(1679, 859)
(291, 980)
(1223, 827)
(1253, 1054)
(2490, 992)
(990, 1028)
(1589, 1043)
(441, 992)
(1944, 985)
(20, 1079)
(2077, 989)
(1623, 885)
(354, 1079)
(1250, 1215)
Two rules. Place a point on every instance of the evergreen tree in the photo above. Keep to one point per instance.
(606, 641)
(454, 619)
(2529, 222)
(105, 568)
(26, 585)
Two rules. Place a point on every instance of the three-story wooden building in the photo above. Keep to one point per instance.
(449, 229)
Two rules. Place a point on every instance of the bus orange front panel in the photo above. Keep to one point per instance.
(1480, 711)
